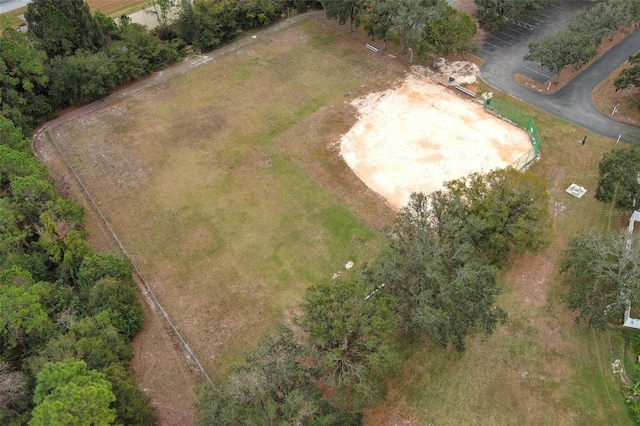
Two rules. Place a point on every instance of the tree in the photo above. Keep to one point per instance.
(444, 288)
(618, 177)
(503, 211)
(13, 387)
(110, 30)
(451, 33)
(82, 77)
(604, 18)
(344, 10)
(379, 16)
(133, 406)
(63, 242)
(275, 386)
(19, 164)
(24, 322)
(140, 51)
(93, 340)
(12, 137)
(630, 77)
(603, 276)
(162, 9)
(351, 336)
(13, 238)
(412, 19)
(70, 394)
(64, 26)
(97, 266)
(561, 49)
(119, 299)
(214, 23)
(23, 79)
(495, 14)
(187, 21)
(258, 13)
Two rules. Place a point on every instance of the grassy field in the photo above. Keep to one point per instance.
(226, 188)
(212, 183)
(11, 19)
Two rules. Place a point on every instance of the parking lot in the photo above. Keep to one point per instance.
(516, 36)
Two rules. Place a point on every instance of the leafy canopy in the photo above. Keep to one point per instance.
(443, 288)
(618, 178)
(69, 394)
(603, 275)
(630, 77)
(351, 338)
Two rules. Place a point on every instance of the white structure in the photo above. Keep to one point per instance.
(576, 190)
(628, 320)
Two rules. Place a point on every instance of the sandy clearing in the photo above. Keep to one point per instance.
(420, 135)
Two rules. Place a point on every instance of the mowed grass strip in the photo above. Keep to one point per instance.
(198, 184)
(540, 368)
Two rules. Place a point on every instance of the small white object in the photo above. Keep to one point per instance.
(349, 265)
(254, 36)
(576, 190)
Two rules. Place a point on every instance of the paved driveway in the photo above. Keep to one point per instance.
(504, 52)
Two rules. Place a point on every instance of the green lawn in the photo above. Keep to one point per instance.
(10, 19)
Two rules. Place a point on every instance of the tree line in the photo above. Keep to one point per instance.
(436, 279)
(426, 28)
(67, 313)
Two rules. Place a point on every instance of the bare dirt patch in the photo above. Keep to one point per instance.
(418, 136)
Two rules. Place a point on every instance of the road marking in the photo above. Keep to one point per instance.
(515, 31)
(488, 51)
(498, 47)
(508, 35)
(502, 40)
(538, 72)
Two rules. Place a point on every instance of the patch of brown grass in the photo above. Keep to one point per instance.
(116, 8)
(226, 189)
(163, 374)
(606, 98)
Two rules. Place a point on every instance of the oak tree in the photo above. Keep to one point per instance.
(603, 276)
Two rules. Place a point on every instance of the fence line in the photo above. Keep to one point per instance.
(519, 118)
(524, 160)
(155, 301)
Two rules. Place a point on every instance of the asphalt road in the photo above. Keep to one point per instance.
(572, 102)
(8, 5)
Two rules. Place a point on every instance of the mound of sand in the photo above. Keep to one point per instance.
(463, 72)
